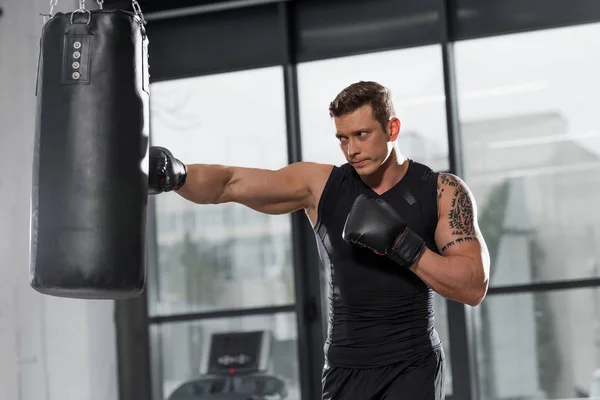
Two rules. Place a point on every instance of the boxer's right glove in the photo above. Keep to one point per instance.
(374, 224)
(166, 172)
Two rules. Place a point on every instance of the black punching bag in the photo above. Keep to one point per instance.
(90, 182)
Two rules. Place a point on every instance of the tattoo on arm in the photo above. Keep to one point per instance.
(459, 240)
(461, 214)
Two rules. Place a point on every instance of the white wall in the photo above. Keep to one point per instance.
(50, 348)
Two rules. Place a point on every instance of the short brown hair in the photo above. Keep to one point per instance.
(360, 94)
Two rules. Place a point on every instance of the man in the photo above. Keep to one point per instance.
(391, 230)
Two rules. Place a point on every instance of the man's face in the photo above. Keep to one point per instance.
(364, 142)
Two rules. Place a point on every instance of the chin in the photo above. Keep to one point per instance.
(365, 170)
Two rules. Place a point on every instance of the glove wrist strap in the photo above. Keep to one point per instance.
(408, 248)
(181, 177)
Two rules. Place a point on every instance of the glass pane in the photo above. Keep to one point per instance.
(221, 256)
(415, 78)
(540, 345)
(531, 136)
(182, 351)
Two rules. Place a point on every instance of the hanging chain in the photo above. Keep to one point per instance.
(138, 10)
(53, 4)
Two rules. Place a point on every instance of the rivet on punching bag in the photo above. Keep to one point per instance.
(90, 182)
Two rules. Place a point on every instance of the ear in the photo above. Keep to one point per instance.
(394, 128)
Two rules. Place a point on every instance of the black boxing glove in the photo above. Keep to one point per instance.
(166, 172)
(374, 224)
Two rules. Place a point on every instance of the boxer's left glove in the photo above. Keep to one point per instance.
(374, 224)
(166, 172)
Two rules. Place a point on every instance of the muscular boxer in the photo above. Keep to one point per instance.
(391, 230)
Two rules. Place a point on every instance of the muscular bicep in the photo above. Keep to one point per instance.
(276, 191)
(457, 231)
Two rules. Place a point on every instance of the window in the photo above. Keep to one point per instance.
(184, 348)
(415, 78)
(531, 137)
(210, 255)
(542, 345)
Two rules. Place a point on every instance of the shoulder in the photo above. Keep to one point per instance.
(450, 182)
(424, 179)
(423, 172)
(453, 193)
(314, 175)
(312, 170)
(309, 169)
(315, 178)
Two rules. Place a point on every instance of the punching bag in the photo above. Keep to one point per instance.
(90, 183)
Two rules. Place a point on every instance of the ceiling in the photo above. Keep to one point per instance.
(149, 6)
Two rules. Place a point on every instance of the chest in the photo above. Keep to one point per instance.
(410, 202)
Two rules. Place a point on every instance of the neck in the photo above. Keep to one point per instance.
(389, 174)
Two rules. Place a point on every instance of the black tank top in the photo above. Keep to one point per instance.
(379, 313)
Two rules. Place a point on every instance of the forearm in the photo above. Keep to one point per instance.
(458, 278)
(206, 183)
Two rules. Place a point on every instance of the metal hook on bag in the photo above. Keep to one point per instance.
(82, 11)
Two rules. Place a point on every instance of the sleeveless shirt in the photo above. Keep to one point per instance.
(379, 312)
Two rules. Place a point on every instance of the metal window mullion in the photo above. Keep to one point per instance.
(132, 330)
(133, 349)
(220, 314)
(305, 259)
(460, 317)
(571, 284)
